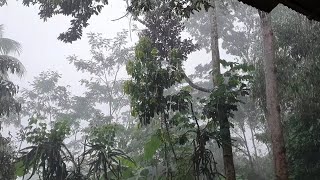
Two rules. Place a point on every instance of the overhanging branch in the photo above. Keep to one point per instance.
(188, 80)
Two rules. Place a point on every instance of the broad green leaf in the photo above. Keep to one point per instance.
(127, 162)
(152, 146)
(19, 169)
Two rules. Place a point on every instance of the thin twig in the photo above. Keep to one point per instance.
(121, 17)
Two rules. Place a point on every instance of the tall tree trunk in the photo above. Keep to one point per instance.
(247, 147)
(214, 44)
(273, 107)
(223, 119)
(253, 140)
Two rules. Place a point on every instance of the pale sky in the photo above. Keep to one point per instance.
(42, 51)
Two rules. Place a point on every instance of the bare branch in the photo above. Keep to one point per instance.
(188, 80)
(121, 17)
(140, 21)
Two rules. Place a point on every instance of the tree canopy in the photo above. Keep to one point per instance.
(249, 115)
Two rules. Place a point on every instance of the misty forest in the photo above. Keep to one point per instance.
(151, 90)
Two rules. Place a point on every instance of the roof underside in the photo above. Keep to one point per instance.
(309, 8)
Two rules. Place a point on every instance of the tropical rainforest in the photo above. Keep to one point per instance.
(251, 114)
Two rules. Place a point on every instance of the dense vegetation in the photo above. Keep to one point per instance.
(253, 116)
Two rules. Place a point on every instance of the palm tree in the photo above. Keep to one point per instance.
(9, 65)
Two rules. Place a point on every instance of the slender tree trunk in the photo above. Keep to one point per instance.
(227, 148)
(214, 44)
(247, 147)
(252, 139)
(273, 107)
(166, 151)
(110, 108)
(223, 120)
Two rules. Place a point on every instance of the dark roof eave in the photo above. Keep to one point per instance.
(264, 5)
(268, 5)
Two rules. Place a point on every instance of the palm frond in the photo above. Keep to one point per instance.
(10, 64)
(8, 46)
(7, 102)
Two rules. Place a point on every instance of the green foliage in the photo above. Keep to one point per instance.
(8, 46)
(47, 151)
(19, 169)
(104, 85)
(156, 69)
(80, 11)
(298, 69)
(157, 65)
(45, 90)
(9, 64)
(179, 141)
(151, 147)
(8, 103)
(104, 160)
(49, 156)
(239, 29)
(225, 97)
(103, 135)
(302, 144)
(6, 159)
(183, 8)
(49, 100)
(149, 82)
